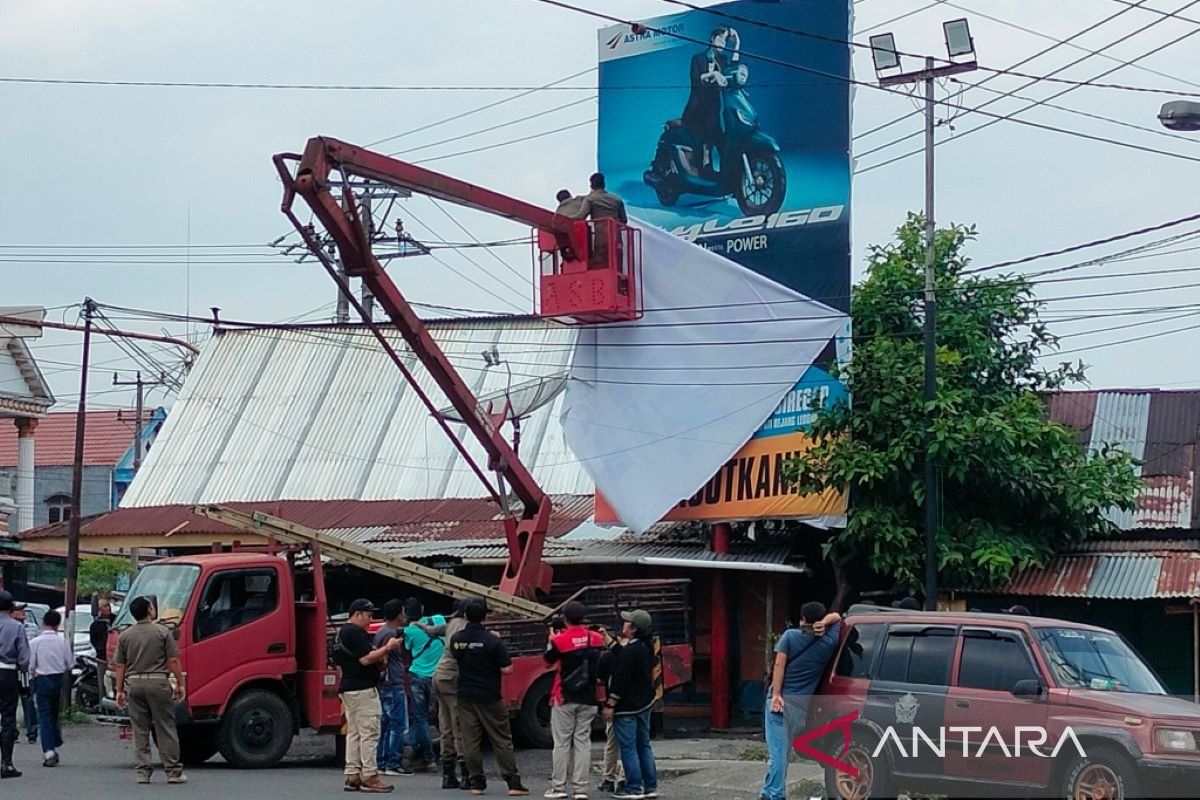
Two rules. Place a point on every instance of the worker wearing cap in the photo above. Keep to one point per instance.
(575, 650)
(630, 698)
(147, 657)
(360, 663)
(14, 660)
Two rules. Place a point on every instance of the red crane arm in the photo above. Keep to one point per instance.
(321, 156)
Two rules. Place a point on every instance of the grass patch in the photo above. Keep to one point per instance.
(754, 752)
(73, 716)
(809, 787)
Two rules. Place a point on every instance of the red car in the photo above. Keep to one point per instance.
(998, 705)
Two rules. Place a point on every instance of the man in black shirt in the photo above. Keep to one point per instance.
(630, 697)
(360, 664)
(482, 659)
(576, 651)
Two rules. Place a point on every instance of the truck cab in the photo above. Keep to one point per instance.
(254, 653)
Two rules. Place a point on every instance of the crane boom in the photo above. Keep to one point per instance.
(526, 572)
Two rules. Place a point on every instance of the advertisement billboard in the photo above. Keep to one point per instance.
(730, 127)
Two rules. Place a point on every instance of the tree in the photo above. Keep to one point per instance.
(100, 574)
(1015, 486)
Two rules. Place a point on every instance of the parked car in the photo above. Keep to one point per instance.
(33, 618)
(998, 704)
(83, 621)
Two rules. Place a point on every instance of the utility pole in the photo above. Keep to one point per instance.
(72, 582)
(886, 57)
(139, 447)
(368, 299)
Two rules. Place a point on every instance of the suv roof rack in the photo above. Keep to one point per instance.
(867, 608)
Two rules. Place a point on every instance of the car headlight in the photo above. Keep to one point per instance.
(1175, 741)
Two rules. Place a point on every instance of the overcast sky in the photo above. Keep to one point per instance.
(93, 165)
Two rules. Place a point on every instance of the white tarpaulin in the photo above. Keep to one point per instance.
(655, 407)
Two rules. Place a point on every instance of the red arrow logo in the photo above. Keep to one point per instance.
(842, 723)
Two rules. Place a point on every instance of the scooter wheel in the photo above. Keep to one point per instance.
(763, 190)
(667, 197)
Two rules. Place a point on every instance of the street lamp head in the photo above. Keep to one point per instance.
(1180, 115)
(958, 38)
(883, 52)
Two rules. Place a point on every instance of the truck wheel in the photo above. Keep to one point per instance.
(256, 730)
(1104, 773)
(872, 778)
(197, 744)
(533, 723)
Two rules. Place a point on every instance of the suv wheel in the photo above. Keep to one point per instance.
(1105, 774)
(872, 776)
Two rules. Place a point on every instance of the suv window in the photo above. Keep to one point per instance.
(994, 660)
(235, 598)
(918, 655)
(859, 650)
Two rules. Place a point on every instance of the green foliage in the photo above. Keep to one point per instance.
(1015, 486)
(100, 574)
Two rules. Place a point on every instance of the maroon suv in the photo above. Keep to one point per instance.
(999, 705)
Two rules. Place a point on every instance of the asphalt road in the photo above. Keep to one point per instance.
(96, 763)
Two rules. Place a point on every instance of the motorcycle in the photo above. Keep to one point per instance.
(748, 165)
(85, 679)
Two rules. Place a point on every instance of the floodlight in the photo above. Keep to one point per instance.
(1180, 115)
(958, 38)
(883, 52)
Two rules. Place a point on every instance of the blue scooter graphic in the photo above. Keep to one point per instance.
(748, 165)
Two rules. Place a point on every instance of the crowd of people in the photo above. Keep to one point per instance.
(458, 664)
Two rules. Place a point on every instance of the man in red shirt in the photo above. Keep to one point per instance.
(576, 651)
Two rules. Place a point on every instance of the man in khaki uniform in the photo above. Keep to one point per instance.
(146, 657)
(597, 204)
(445, 691)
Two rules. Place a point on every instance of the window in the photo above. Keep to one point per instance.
(994, 661)
(235, 598)
(918, 656)
(59, 507)
(858, 651)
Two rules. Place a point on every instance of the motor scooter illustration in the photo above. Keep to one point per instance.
(748, 165)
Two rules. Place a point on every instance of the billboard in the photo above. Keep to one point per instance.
(730, 127)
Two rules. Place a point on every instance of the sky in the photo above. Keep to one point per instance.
(94, 170)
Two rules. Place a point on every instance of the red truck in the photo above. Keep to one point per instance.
(254, 634)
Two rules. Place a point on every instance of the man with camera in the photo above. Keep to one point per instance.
(576, 652)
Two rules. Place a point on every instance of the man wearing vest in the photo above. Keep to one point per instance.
(576, 651)
(426, 651)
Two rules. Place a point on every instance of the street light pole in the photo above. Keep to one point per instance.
(887, 57)
(932, 493)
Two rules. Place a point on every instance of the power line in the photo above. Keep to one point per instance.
(1085, 245)
(441, 207)
(494, 127)
(1074, 85)
(512, 141)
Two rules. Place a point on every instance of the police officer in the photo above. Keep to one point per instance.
(146, 657)
(14, 661)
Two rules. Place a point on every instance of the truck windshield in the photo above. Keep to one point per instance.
(1096, 660)
(168, 585)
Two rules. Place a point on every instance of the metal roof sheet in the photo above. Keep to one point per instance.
(1163, 570)
(1159, 428)
(321, 412)
(399, 520)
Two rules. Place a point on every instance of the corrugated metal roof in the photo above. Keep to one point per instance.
(1162, 570)
(322, 413)
(107, 438)
(398, 520)
(1159, 428)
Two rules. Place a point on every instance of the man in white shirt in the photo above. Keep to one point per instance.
(50, 660)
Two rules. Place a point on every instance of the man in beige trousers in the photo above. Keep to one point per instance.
(359, 661)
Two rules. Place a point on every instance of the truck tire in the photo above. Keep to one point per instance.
(872, 779)
(197, 744)
(256, 730)
(533, 723)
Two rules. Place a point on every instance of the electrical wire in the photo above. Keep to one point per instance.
(889, 90)
(519, 140)
(491, 128)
